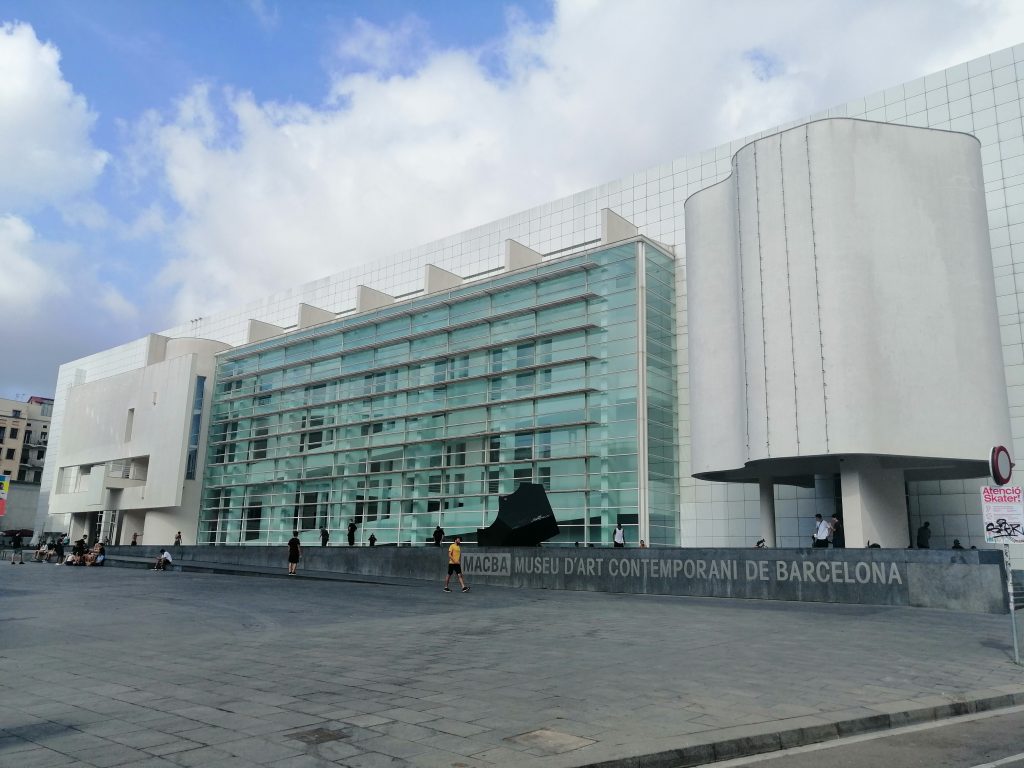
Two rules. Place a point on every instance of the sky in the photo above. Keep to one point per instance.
(165, 160)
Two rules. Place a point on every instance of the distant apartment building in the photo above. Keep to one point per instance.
(24, 434)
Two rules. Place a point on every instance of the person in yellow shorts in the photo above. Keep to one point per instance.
(455, 564)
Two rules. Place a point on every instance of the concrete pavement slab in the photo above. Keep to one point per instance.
(211, 670)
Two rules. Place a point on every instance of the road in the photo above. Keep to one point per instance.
(979, 741)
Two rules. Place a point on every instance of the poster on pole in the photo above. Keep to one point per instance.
(1002, 509)
(5, 486)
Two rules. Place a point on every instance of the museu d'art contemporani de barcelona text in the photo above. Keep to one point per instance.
(819, 318)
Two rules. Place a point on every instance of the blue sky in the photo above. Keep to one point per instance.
(167, 159)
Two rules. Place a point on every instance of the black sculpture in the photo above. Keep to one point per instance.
(524, 519)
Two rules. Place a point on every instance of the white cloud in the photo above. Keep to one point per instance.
(148, 223)
(115, 304)
(46, 155)
(427, 141)
(396, 48)
(265, 14)
(26, 282)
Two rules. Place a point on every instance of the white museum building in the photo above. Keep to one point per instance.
(848, 329)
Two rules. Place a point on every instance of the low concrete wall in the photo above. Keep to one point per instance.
(961, 580)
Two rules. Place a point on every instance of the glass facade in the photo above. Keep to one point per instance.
(423, 413)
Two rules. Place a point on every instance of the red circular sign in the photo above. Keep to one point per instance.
(1001, 465)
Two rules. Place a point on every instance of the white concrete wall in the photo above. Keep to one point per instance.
(841, 297)
(94, 432)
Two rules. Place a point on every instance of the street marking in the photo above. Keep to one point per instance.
(1004, 761)
(881, 734)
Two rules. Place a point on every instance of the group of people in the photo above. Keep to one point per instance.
(295, 554)
(81, 553)
(325, 535)
(828, 532)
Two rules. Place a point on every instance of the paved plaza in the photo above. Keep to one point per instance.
(120, 667)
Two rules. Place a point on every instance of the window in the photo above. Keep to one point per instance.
(496, 360)
(544, 444)
(522, 475)
(253, 521)
(16, 413)
(10, 453)
(3, 433)
(307, 511)
(14, 432)
(260, 431)
(192, 458)
(456, 454)
(316, 394)
(129, 424)
(314, 438)
(524, 446)
(524, 355)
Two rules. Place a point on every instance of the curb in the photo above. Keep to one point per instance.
(757, 743)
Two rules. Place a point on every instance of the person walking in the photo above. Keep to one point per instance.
(325, 535)
(177, 539)
(438, 535)
(135, 539)
(294, 553)
(838, 532)
(373, 540)
(351, 533)
(619, 537)
(16, 545)
(924, 536)
(455, 565)
(821, 531)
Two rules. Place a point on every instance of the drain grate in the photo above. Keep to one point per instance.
(318, 736)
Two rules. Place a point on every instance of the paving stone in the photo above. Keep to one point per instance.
(410, 679)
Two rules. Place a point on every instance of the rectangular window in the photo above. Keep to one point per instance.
(524, 355)
(522, 475)
(14, 432)
(497, 360)
(307, 511)
(10, 453)
(129, 423)
(315, 438)
(3, 433)
(193, 436)
(523, 446)
(253, 521)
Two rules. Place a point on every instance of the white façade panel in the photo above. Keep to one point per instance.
(780, 395)
(889, 299)
(713, 290)
(910, 334)
(745, 186)
(811, 428)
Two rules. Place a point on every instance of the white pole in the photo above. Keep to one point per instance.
(1009, 588)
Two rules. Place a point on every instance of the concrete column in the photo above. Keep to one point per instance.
(768, 511)
(874, 503)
